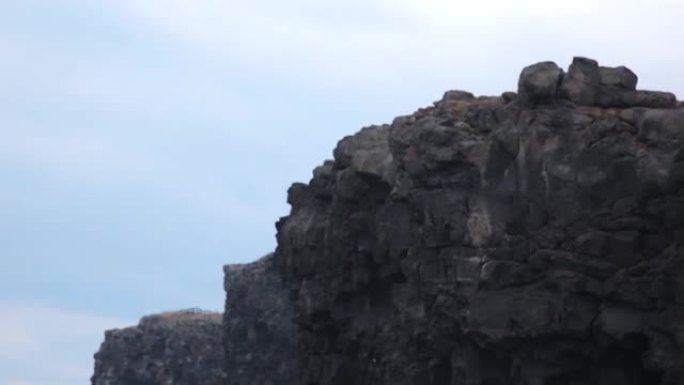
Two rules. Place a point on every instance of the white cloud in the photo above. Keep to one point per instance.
(43, 345)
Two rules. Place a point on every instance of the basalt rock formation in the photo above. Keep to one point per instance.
(259, 332)
(174, 348)
(536, 238)
(252, 343)
(532, 238)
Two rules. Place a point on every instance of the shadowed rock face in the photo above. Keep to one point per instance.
(587, 84)
(535, 238)
(251, 344)
(258, 326)
(174, 348)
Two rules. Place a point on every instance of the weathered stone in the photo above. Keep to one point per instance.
(505, 313)
(654, 99)
(457, 95)
(366, 153)
(259, 332)
(479, 241)
(500, 274)
(538, 83)
(618, 322)
(297, 194)
(181, 347)
(621, 77)
(508, 96)
(513, 245)
(662, 125)
(253, 345)
(614, 97)
(580, 85)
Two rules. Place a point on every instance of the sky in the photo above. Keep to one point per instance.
(146, 143)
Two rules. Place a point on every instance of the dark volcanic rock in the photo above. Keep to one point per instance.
(538, 83)
(254, 345)
(535, 238)
(586, 84)
(611, 96)
(581, 83)
(174, 348)
(621, 77)
(483, 242)
(258, 326)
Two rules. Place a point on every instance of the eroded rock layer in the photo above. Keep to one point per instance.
(259, 332)
(174, 348)
(533, 238)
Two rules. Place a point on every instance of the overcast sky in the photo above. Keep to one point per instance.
(145, 143)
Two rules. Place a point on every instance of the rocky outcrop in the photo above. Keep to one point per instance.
(259, 332)
(588, 84)
(533, 238)
(174, 348)
(252, 343)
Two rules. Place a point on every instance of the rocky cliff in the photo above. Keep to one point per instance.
(532, 238)
(258, 326)
(252, 343)
(174, 348)
(536, 238)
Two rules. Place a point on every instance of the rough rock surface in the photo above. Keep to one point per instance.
(174, 348)
(252, 343)
(587, 84)
(259, 332)
(535, 238)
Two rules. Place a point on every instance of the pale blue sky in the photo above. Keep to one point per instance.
(145, 143)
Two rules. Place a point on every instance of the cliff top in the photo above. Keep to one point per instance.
(192, 314)
(586, 83)
(530, 238)
(171, 319)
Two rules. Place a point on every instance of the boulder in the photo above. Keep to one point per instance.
(580, 85)
(366, 152)
(538, 83)
(615, 97)
(621, 77)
